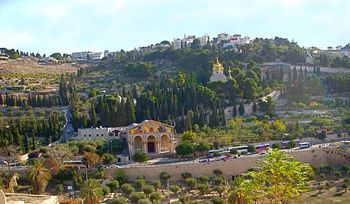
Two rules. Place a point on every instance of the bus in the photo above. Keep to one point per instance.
(241, 149)
(262, 147)
(73, 164)
(304, 145)
(285, 143)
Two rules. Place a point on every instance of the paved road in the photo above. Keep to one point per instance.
(67, 130)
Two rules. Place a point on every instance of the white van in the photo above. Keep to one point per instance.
(304, 145)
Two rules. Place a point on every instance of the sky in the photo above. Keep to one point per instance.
(66, 26)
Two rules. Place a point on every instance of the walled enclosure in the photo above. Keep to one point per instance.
(232, 167)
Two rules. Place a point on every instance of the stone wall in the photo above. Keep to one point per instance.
(229, 168)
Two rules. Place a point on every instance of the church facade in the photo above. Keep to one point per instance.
(149, 136)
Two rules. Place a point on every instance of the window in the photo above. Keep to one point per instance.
(89, 135)
(101, 135)
(84, 135)
(96, 135)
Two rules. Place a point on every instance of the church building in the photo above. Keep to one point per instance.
(218, 72)
(149, 136)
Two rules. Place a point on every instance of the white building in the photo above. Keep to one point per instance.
(80, 55)
(234, 40)
(95, 56)
(87, 55)
(93, 134)
(186, 42)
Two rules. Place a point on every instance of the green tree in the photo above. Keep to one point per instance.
(136, 196)
(113, 185)
(241, 108)
(127, 189)
(191, 183)
(140, 157)
(156, 196)
(202, 147)
(164, 177)
(184, 149)
(251, 149)
(108, 159)
(38, 176)
(174, 188)
(148, 189)
(140, 183)
(91, 191)
(279, 179)
(189, 136)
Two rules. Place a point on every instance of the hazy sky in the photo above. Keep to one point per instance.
(48, 26)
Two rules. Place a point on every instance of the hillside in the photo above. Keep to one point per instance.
(27, 73)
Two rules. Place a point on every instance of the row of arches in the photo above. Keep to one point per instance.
(151, 144)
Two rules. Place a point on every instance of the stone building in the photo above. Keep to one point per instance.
(149, 136)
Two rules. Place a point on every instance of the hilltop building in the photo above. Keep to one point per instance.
(87, 55)
(218, 72)
(186, 42)
(225, 40)
(149, 136)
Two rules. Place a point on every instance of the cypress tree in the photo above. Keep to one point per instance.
(241, 109)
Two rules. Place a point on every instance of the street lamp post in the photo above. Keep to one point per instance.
(110, 142)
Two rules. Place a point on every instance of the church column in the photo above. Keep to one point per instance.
(157, 146)
(144, 147)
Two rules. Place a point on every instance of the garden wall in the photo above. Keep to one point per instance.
(229, 168)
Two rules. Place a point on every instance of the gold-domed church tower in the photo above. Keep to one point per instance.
(218, 72)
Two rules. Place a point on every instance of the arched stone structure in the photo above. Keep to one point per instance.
(138, 143)
(150, 137)
(165, 143)
(151, 144)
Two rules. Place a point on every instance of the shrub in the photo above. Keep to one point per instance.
(89, 148)
(127, 189)
(276, 146)
(140, 157)
(106, 190)
(156, 184)
(155, 196)
(174, 188)
(148, 189)
(144, 201)
(291, 144)
(218, 180)
(113, 185)
(136, 196)
(251, 148)
(191, 183)
(118, 200)
(121, 176)
(217, 172)
(164, 177)
(203, 188)
(217, 200)
(108, 159)
(203, 178)
(140, 183)
(186, 175)
(184, 199)
(233, 151)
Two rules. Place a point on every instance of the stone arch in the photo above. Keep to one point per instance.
(151, 144)
(164, 143)
(138, 143)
